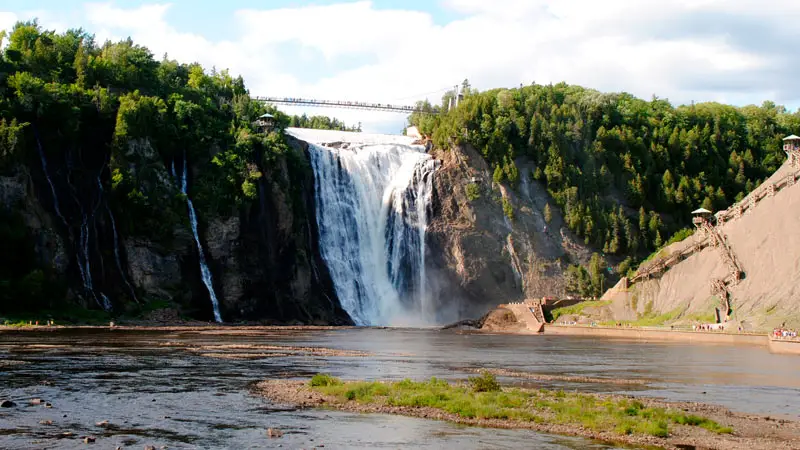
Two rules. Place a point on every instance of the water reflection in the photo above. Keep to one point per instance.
(163, 388)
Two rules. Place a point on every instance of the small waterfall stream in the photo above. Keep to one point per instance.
(117, 258)
(82, 254)
(50, 181)
(372, 202)
(205, 272)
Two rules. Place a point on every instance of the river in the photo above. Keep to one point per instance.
(190, 388)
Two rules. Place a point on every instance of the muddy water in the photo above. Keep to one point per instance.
(190, 389)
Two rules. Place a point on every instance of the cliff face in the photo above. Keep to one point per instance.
(765, 241)
(263, 257)
(268, 260)
(479, 256)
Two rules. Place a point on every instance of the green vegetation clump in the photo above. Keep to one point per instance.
(587, 282)
(649, 319)
(473, 192)
(323, 379)
(489, 401)
(508, 209)
(485, 382)
(680, 235)
(321, 123)
(577, 309)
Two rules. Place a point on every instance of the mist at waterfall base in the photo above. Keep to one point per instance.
(373, 198)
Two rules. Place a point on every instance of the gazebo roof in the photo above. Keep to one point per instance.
(701, 211)
(791, 138)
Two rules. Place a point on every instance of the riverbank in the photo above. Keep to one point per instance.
(642, 333)
(705, 337)
(791, 347)
(154, 326)
(608, 418)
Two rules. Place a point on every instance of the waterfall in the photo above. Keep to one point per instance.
(372, 205)
(49, 181)
(117, 258)
(205, 272)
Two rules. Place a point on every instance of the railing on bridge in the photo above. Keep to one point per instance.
(341, 104)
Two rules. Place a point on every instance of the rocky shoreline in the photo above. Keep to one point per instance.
(751, 432)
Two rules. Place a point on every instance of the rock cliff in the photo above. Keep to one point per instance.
(765, 241)
(479, 255)
(263, 257)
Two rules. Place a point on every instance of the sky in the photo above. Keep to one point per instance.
(391, 51)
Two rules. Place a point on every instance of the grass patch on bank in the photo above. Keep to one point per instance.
(483, 398)
(63, 316)
(577, 309)
(650, 319)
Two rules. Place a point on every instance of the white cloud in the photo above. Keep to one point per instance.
(7, 20)
(726, 50)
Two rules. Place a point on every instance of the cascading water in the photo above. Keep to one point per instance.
(205, 272)
(82, 253)
(117, 258)
(372, 205)
(50, 181)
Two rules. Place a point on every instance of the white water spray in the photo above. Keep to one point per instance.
(205, 272)
(372, 205)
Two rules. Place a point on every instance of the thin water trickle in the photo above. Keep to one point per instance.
(50, 182)
(205, 272)
(372, 201)
(117, 258)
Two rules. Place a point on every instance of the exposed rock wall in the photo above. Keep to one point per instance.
(479, 257)
(267, 261)
(766, 241)
(264, 258)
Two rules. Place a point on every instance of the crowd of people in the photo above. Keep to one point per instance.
(783, 333)
(343, 103)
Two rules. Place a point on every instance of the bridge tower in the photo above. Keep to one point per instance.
(791, 145)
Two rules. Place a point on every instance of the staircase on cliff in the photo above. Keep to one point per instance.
(710, 233)
(529, 313)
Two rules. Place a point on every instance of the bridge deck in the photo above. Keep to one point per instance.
(341, 104)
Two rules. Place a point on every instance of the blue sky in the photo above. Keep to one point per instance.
(733, 51)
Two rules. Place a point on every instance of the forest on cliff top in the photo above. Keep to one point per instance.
(626, 172)
(94, 119)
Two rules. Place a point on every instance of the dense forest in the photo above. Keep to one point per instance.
(321, 123)
(95, 121)
(626, 172)
(89, 120)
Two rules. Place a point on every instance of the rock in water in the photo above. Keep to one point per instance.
(274, 433)
(7, 404)
(89, 439)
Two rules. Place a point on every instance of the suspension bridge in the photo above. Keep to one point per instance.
(343, 104)
(458, 95)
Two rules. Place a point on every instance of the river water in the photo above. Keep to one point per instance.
(191, 388)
